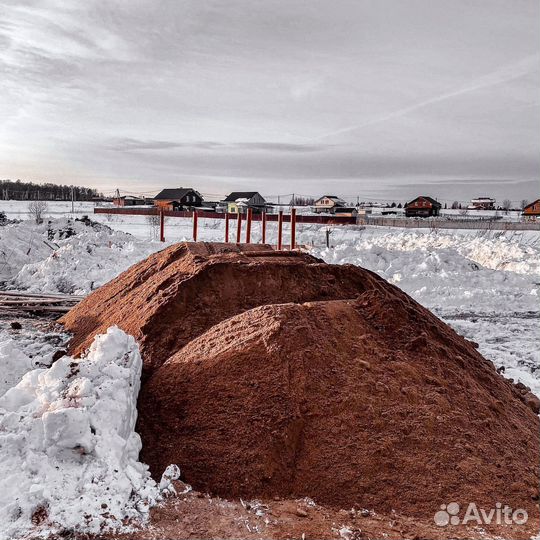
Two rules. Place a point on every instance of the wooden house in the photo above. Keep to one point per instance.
(532, 211)
(238, 202)
(482, 203)
(328, 203)
(423, 206)
(178, 199)
(129, 200)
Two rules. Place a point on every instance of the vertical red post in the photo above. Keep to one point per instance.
(263, 228)
(238, 227)
(293, 228)
(161, 225)
(280, 230)
(248, 225)
(226, 227)
(195, 219)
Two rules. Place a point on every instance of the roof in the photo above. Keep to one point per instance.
(174, 193)
(430, 199)
(235, 195)
(530, 205)
(332, 197)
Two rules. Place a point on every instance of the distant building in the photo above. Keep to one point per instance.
(328, 203)
(238, 202)
(532, 211)
(482, 203)
(178, 199)
(348, 211)
(423, 206)
(129, 200)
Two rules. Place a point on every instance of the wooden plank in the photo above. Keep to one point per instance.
(59, 296)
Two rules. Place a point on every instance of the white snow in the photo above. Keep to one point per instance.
(68, 449)
(30, 261)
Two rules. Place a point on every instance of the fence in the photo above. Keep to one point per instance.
(410, 223)
(482, 224)
(204, 214)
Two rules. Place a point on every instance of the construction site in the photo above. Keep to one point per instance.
(273, 376)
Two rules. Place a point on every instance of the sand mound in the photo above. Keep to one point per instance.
(177, 294)
(371, 402)
(276, 374)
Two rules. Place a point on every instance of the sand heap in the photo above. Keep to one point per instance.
(290, 377)
(177, 294)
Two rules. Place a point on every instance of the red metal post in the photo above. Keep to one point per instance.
(161, 225)
(238, 227)
(280, 230)
(227, 227)
(248, 225)
(293, 228)
(263, 228)
(195, 218)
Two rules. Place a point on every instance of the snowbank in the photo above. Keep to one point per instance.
(68, 449)
(31, 260)
(13, 363)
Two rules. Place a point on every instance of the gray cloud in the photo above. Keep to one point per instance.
(129, 144)
(277, 95)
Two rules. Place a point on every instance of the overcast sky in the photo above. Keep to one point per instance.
(376, 98)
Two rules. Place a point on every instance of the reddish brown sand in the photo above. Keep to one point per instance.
(262, 380)
(372, 402)
(177, 294)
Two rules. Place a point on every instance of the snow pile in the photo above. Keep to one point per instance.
(14, 363)
(440, 278)
(77, 264)
(68, 449)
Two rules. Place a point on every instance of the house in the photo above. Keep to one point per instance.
(348, 211)
(129, 200)
(482, 203)
(422, 206)
(328, 203)
(238, 202)
(178, 199)
(531, 212)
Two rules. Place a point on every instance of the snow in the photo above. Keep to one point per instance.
(68, 449)
(38, 258)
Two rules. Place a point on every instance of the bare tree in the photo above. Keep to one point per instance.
(36, 209)
(455, 205)
(524, 203)
(506, 204)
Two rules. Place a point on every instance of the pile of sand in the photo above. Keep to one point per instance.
(177, 294)
(273, 374)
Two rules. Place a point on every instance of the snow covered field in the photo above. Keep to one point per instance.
(483, 283)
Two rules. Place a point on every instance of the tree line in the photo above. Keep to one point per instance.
(28, 191)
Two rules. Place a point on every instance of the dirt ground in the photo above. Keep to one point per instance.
(195, 515)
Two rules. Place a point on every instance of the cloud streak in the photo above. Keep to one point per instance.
(131, 145)
(505, 74)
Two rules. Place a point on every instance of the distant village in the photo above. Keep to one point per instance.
(238, 202)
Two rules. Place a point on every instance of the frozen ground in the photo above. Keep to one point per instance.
(485, 284)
